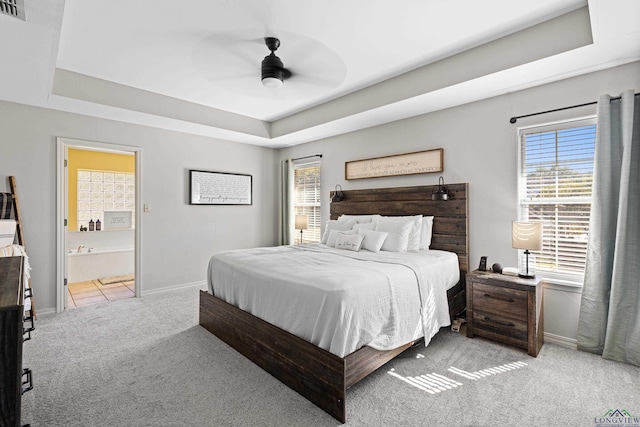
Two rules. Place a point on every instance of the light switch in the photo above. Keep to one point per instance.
(147, 207)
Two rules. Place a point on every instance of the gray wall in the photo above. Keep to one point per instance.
(480, 147)
(177, 239)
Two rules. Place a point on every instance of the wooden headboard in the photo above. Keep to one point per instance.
(450, 223)
(451, 217)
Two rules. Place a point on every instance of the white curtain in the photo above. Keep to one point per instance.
(610, 308)
(286, 202)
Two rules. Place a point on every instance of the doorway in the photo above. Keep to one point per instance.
(98, 231)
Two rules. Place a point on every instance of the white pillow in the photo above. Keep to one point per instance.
(373, 240)
(398, 234)
(416, 229)
(365, 226)
(427, 232)
(333, 235)
(337, 225)
(360, 219)
(350, 242)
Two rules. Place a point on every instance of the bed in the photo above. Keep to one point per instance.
(323, 375)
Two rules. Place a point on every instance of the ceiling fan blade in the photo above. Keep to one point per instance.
(307, 58)
(222, 54)
(318, 81)
(235, 78)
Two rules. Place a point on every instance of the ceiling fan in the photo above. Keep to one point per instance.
(273, 71)
(229, 60)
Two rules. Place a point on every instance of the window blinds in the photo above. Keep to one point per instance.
(556, 174)
(307, 198)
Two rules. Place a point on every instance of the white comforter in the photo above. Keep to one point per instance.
(336, 299)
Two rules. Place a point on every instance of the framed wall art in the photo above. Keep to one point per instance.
(400, 164)
(117, 220)
(219, 188)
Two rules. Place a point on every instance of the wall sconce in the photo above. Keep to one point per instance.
(441, 192)
(527, 236)
(302, 223)
(338, 195)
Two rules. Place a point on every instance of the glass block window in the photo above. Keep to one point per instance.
(100, 191)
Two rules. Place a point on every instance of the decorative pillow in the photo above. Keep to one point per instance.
(350, 242)
(427, 231)
(333, 235)
(360, 219)
(398, 234)
(373, 240)
(416, 229)
(365, 226)
(337, 225)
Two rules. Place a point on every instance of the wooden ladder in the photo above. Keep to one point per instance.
(18, 219)
(16, 210)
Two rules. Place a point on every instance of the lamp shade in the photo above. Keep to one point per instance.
(526, 235)
(302, 222)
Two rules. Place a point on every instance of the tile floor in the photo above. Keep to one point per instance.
(93, 292)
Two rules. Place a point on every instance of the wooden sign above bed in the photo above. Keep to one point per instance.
(428, 161)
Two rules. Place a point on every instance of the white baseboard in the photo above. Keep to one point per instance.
(560, 340)
(50, 310)
(202, 284)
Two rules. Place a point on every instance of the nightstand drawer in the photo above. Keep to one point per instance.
(501, 327)
(506, 309)
(494, 299)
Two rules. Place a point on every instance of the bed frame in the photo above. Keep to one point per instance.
(320, 376)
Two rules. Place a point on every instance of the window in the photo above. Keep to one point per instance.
(100, 191)
(555, 180)
(307, 198)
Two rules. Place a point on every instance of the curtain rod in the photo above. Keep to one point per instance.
(307, 157)
(515, 119)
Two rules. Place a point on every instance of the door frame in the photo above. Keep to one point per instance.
(63, 144)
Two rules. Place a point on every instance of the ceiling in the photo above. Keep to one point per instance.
(195, 66)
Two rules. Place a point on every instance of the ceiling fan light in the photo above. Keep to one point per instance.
(272, 71)
(271, 82)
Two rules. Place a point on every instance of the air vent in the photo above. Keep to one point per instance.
(13, 8)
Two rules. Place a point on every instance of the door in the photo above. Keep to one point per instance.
(63, 180)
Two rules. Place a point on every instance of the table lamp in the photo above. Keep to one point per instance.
(527, 236)
(302, 223)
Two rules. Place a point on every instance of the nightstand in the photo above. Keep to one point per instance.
(506, 309)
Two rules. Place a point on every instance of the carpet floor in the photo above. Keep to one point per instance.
(146, 362)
